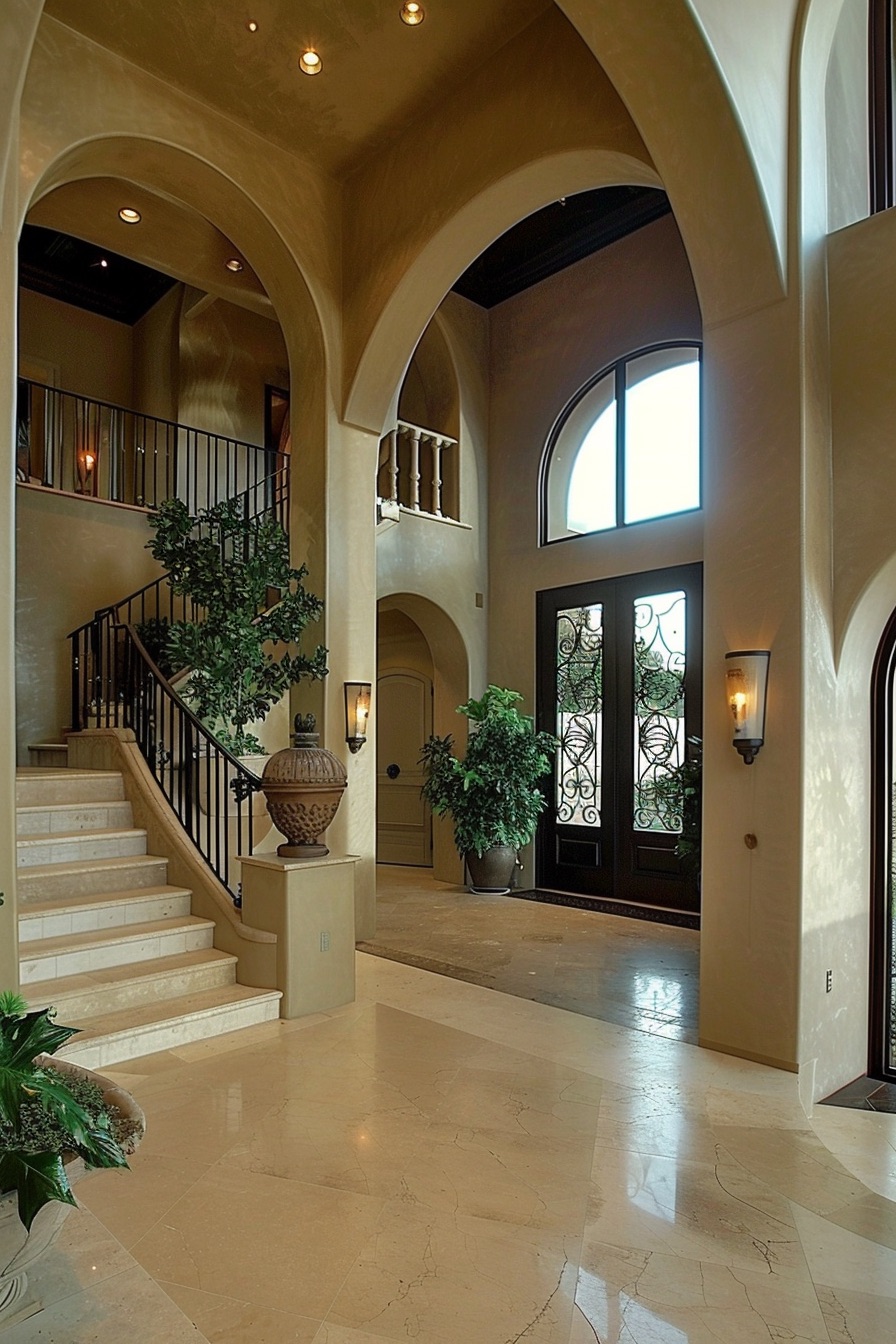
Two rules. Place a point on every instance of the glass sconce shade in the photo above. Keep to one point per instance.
(357, 713)
(746, 682)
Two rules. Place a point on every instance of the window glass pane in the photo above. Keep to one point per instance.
(659, 733)
(662, 434)
(580, 640)
(564, 457)
(591, 502)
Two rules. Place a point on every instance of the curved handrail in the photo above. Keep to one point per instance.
(209, 789)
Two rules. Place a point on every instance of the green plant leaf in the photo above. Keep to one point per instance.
(38, 1178)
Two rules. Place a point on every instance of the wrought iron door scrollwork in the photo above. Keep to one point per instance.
(579, 709)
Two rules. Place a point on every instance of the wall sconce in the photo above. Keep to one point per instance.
(357, 713)
(746, 681)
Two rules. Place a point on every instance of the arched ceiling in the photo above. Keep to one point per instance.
(377, 76)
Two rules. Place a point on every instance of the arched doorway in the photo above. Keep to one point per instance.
(882, 1008)
(404, 722)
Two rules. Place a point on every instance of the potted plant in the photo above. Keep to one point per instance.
(679, 796)
(493, 794)
(56, 1121)
(238, 655)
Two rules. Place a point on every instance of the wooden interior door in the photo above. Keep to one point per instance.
(403, 723)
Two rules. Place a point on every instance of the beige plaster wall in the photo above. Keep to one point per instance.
(434, 570)
(545, 343)
(227, 355)
(157, 357)
(669, 80)
(544, 79)
(93, 354)
(73, 555)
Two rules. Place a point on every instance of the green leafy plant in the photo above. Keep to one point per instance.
(229, 566)
(678, 797)
(45, 1116)
(493, 794)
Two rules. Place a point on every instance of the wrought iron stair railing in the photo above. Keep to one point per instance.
(212, 793)
(83, 446)
(116, 681)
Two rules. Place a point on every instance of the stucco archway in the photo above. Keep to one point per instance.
(451, 248)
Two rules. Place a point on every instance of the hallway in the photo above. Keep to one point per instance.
(451, 1165)
(627, 971)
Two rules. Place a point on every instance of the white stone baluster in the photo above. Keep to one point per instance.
(392, 438)
(436, 446)
(414, 436)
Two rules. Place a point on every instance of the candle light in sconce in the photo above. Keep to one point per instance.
(357, 713)
(746, 684)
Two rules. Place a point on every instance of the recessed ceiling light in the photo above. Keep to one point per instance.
(412, 13)
(128, 215)
(234, 264)
(252, 25)
(310, 63)
(103, 262)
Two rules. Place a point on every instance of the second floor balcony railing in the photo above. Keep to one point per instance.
(418, 469)
(76, 444)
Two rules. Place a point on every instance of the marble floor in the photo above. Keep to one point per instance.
(443, 1163)
(628, 971)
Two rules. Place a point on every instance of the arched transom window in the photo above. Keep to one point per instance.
(627, 447)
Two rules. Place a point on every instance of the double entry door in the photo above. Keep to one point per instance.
(619, 683)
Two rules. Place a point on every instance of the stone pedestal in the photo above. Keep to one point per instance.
(310, 905)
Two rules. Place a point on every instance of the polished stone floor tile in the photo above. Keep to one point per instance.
(422, 1277)
(441, 1163)
(126, 1307)
(639, 1297)
(265, 1241)
(224, 1320)
(640, 975)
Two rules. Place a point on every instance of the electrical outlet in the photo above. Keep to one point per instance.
(828, 981)
(325, 942)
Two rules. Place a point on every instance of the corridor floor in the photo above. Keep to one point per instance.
(628, 971)
(447, 1164)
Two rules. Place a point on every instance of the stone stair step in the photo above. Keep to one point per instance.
(51, 958)
(82, 914)
(111, 1038)
(65, 818)
(84, 877)
(117, 988)
(52, 754)
(35, 850)
(35, 786)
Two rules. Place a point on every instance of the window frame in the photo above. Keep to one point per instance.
(881, 130)
(617, 368)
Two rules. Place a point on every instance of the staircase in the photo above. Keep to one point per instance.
(104, 938)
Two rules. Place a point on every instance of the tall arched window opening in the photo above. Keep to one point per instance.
(626, 449)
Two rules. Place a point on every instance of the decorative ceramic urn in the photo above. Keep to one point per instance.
(303, 786)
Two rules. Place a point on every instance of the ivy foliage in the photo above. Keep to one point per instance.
(679, 794)
(42, 1117)
(658, 688)
(239, 655)
(493, 794)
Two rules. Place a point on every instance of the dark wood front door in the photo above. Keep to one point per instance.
(619, 683)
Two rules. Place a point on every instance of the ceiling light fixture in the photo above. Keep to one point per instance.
(128, 215)
(310, 63)
(412, 13)
(252, 25)
(234, 264)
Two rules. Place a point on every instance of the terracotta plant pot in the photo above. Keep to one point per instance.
(303, 786)
(493, 870)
